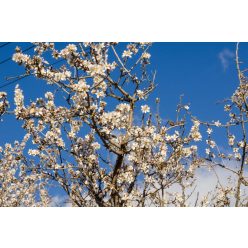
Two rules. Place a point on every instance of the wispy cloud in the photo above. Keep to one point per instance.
(206, 182)
(225, 56)
(60, 201)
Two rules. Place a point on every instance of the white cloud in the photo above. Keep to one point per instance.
(60, 201)
(225, 56)
(206, 181)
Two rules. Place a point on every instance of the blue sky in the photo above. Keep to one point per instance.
(204, 72)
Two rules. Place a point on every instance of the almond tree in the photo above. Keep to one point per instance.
(95, 136)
